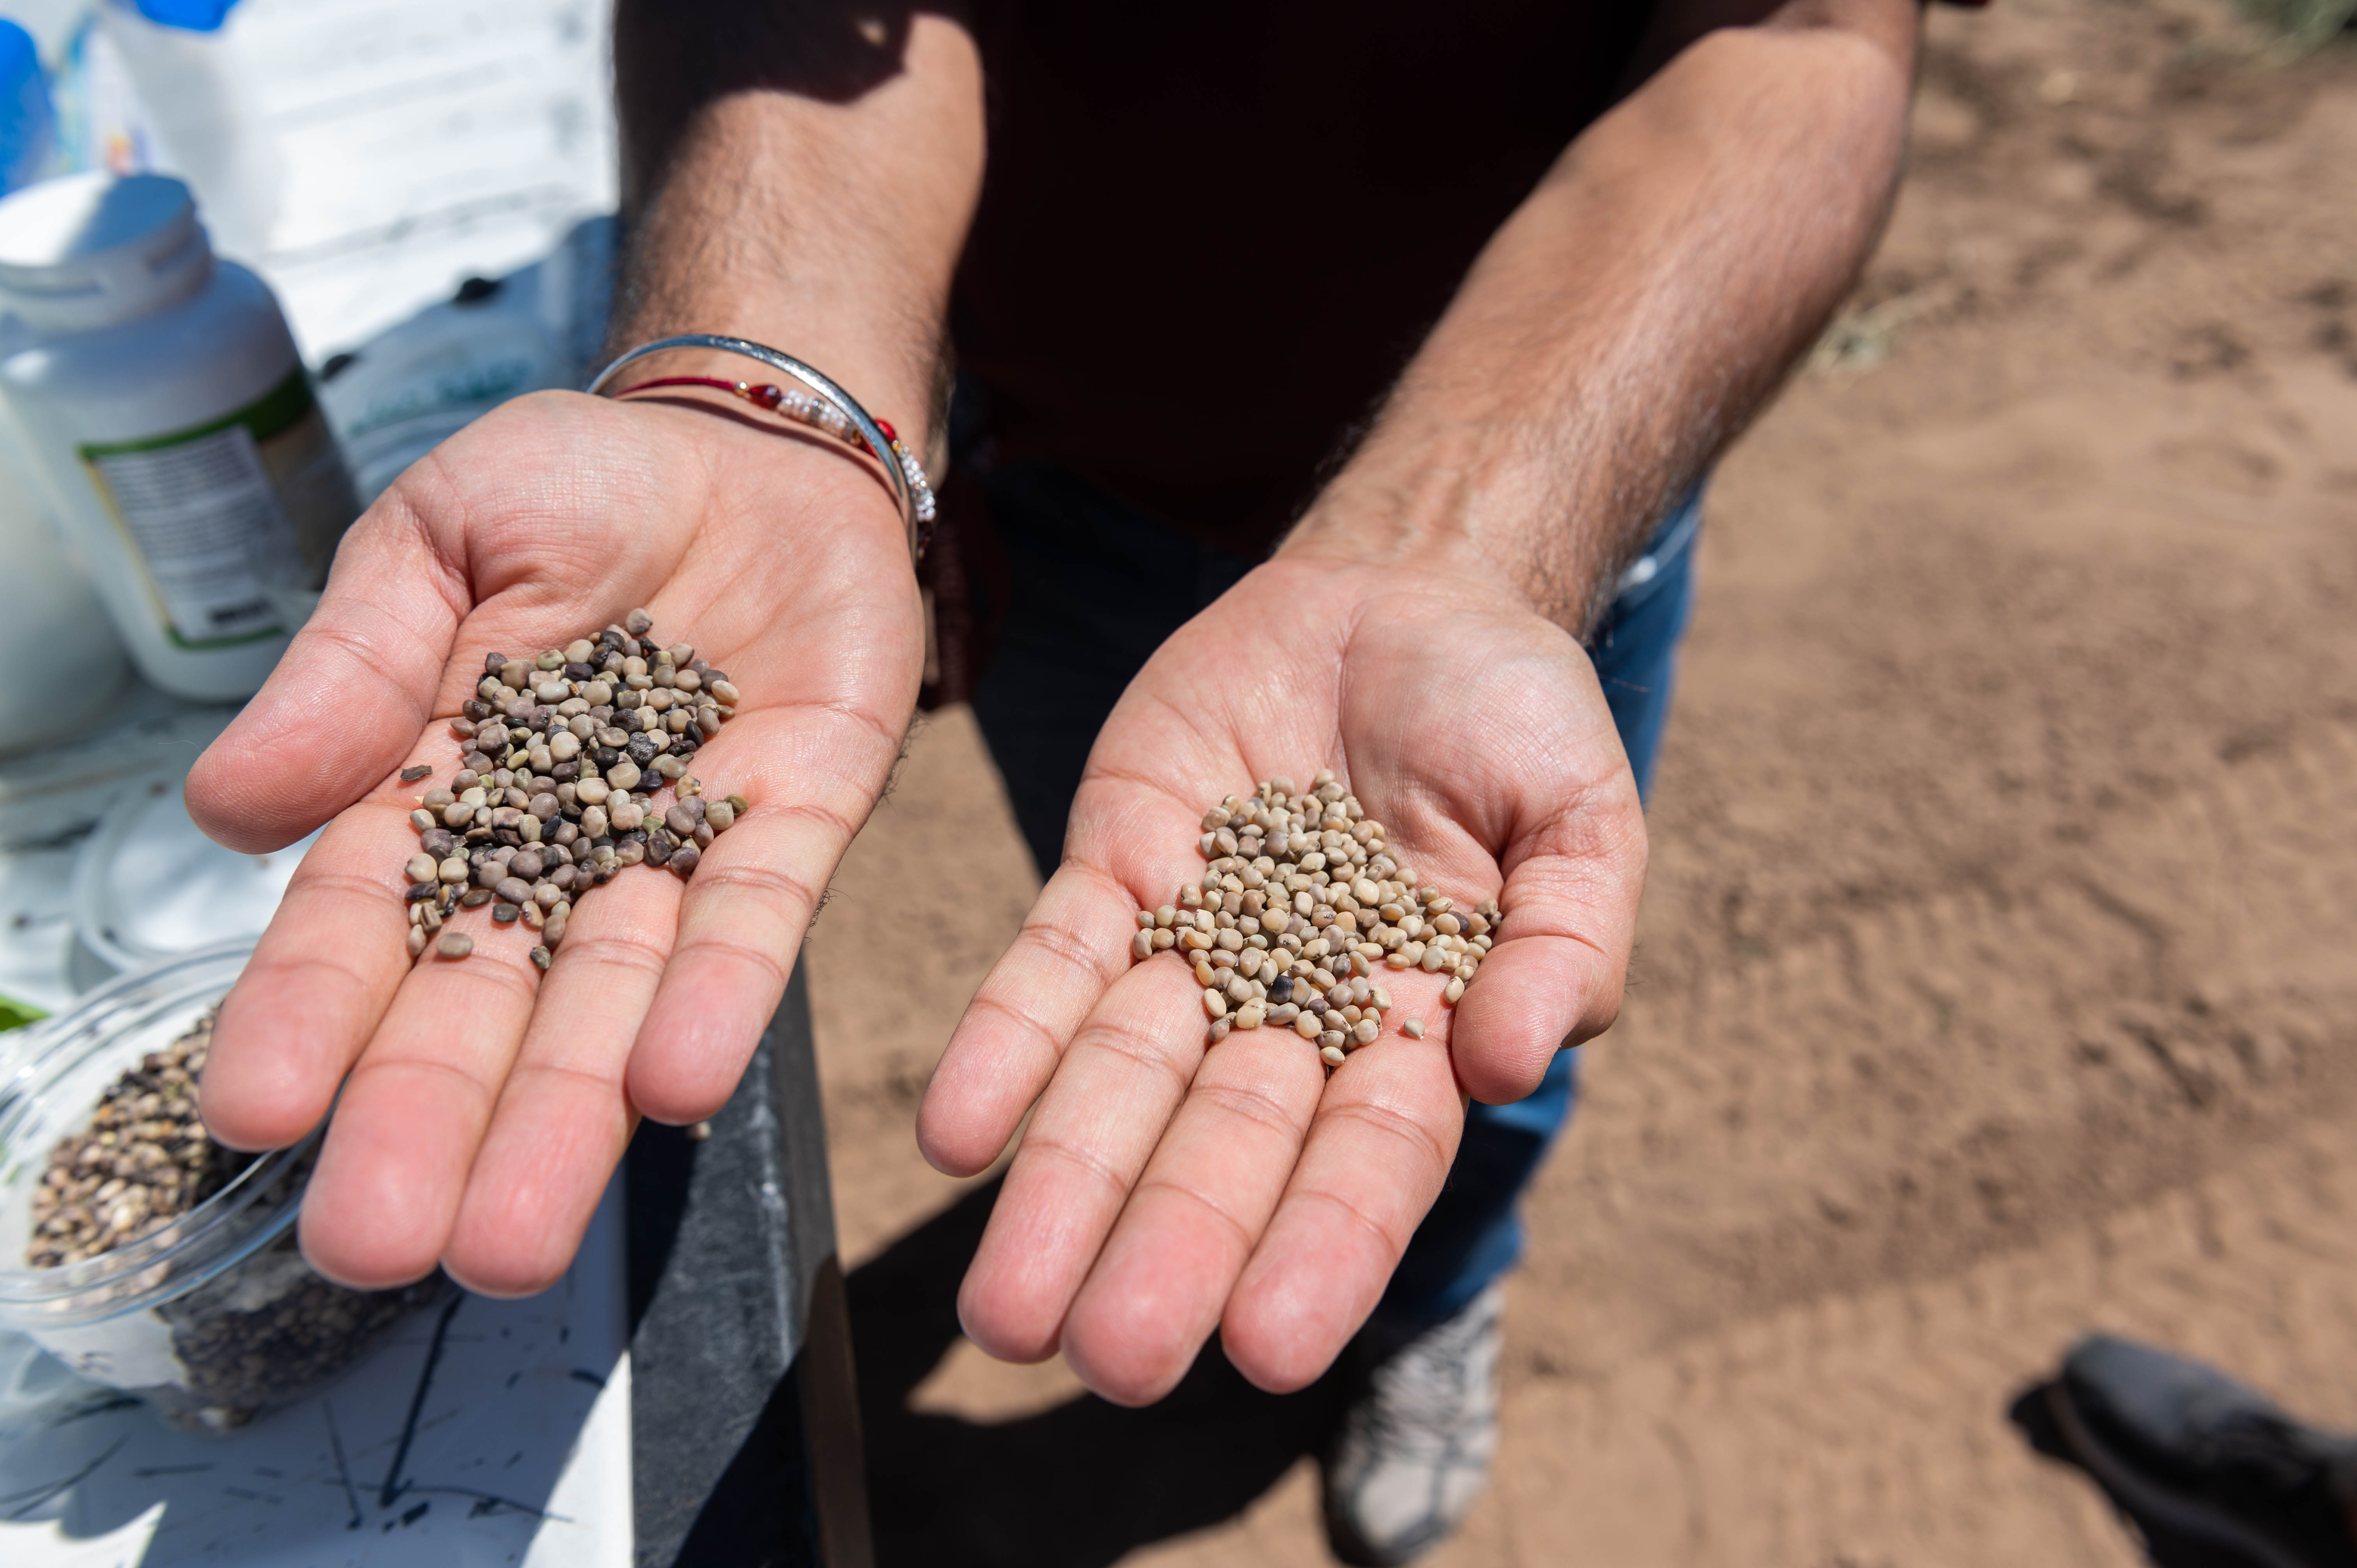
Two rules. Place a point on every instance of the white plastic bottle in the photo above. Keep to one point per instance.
(175, 426)
(52, 622)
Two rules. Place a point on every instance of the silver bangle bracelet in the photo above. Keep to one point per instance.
(831, 410)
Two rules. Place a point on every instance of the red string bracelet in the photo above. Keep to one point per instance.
(794, 404)
(825, 407)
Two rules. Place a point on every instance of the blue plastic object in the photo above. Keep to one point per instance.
(194, 16)
(28, 124)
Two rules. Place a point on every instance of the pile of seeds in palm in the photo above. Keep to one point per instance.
(555, 795)
(142, 1162)
(1300, 908)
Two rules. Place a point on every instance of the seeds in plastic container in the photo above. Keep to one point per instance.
(266, 1326)
(547, 802)
(1301, 906)
(142, 1162)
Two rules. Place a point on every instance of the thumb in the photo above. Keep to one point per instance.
(346, 704)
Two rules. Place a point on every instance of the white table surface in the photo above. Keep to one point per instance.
(424, 141)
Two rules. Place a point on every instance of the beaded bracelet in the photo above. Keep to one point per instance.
(832, 410)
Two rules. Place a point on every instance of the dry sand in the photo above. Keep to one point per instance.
(1995, 978)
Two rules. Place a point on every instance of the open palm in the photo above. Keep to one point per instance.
(485, 1104)
(1163, 1189)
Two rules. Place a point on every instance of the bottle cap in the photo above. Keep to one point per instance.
(93, 249)
(29, 123)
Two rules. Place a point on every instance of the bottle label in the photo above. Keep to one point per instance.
(232, 520)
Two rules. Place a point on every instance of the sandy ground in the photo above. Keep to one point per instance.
(1995, 978)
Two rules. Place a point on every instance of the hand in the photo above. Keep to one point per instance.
(485, 1105)
(1163, 1189)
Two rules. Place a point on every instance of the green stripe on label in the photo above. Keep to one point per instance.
(273, 412)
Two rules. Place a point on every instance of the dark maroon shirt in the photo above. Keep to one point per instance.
(1211, 235)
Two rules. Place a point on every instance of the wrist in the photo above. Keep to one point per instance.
(803, 396)
(1463, 500)
(1425, 520)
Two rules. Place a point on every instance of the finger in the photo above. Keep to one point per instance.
(1036, 996)
(1125, 1074)
(563, 1118)
(374, 653)
(1158, 1286)
(1557, 977)
(320, 977)
(381, 1205)
(811, 774)
(1377, 1154)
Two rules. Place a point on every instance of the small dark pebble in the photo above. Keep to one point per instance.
(412, 775)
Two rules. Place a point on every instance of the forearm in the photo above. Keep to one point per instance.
(1624, 324)
(793, 178)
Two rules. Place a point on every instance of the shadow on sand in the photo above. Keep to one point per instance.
(1075, 1487)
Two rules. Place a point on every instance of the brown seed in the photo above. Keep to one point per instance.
(412, 775)
(455, 944)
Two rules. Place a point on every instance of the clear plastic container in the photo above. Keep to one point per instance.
(216, 1316)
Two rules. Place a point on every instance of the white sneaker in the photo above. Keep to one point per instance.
(1414, 1446)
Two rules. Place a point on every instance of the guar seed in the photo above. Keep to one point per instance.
(549, 761)
(455, 944)
(1331, 1056)
(1214, 1005)
(1453, 991)
(1366, 1030)
(1142, 945)
(1413, 1028)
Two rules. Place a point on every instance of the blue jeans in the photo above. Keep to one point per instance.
(1097, 587)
